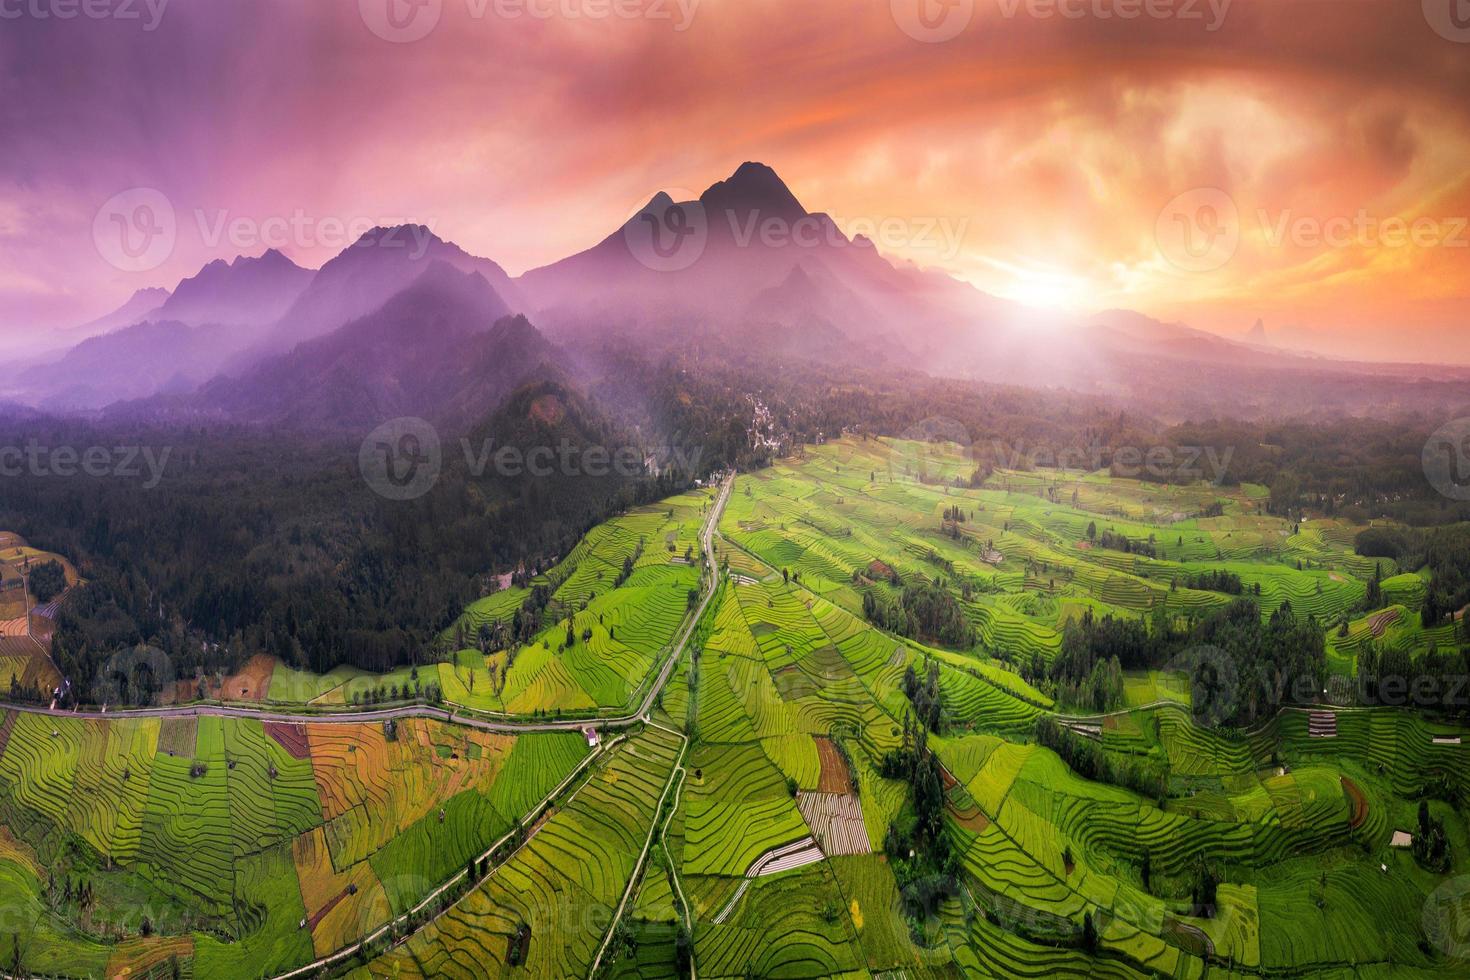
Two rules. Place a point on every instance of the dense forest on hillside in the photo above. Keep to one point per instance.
(258, 541)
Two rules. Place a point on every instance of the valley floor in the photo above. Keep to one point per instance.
(734, 819)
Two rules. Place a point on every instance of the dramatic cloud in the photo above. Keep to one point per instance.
(1304, 161)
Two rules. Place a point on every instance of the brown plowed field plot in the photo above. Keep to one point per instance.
(252, 682)
(137, 957)
(972, 818)
(1379, 624)
(292, 738)
(1358, 800)
(835, 775)
(836, 820)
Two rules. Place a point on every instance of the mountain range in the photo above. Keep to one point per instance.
(403, 322)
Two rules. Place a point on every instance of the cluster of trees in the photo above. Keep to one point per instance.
(1216, 580)
(925, 696)
(1388, 675)
(1088, 670)
(1114, 541)
(1445, 551)
(46, 581)
(1087, 758)
(926, 867)
(924, 610)
(1242, 669)
(1431, 847)
(1204, 892)
(1280, 661)
(630, 562)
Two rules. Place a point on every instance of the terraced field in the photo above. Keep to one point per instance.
(757, 842)
(560, 888)
(238, 848)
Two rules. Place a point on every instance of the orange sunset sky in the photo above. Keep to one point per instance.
(1033, 149)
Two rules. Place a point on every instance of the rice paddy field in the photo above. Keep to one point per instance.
(743, 825)
(26, 624)
(239, 848)
(1298, 827)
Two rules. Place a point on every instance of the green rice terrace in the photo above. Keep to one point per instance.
(860, 714)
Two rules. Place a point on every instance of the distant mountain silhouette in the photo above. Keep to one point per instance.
(179, 343)
(725, 261)
(403, 322)
(142, 305)
(244, 292)
(363, 276)
(446, 348)
(133, 362)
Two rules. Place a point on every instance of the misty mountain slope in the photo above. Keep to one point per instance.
(363, 277)
(177, 344)
(245, 291)
(144, 304)
(445, 348)
(134, 362)
(725, 259)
